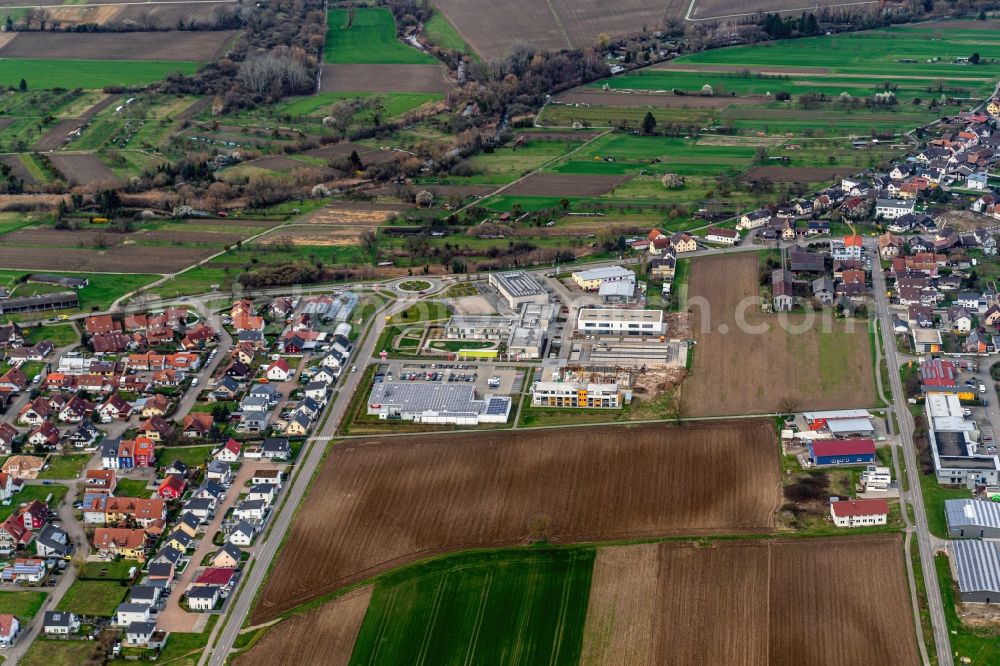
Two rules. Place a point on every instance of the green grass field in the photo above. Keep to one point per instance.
(89, 74)
(134, 487)
(441, 32)
(103, 289)
(64, 467)
(24, 605)
(192, 456)
(512, 607)
(396, 104)
(367, 36)
(60, 335)
(49, 652)
(29, 493)
(93, 597)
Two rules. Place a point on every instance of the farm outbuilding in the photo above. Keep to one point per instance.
(977, 567)
(842, 452)
(970, 518)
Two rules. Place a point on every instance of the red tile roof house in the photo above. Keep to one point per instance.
(197, 425)
(9, 628)
(33, 514)
(229, 452)
(172, 487)
(222, 577)
(100, 324)
(115, 408)
(14, 535)
(46, 435)
(859, 513)
(278, 371)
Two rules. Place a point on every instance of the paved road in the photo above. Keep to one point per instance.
(914, 496)
(295, 491)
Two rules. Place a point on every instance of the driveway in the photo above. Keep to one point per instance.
(173, 617)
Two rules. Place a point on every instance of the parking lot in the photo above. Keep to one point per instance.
(487, 378)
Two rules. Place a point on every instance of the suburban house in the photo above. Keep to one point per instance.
(172, 487)
(279, 371)
(127, 613)
(9, 628)
(859, 513)
(754, 219)
(203, 597)
(112, 542)
(243, 534)
(722, 236)
(781, 290)
(228, 452)
(890, 209)
(60, 623)
(227, 557)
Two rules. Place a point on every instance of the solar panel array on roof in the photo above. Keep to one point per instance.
(495, 406)
(978, 565)
(970, 512)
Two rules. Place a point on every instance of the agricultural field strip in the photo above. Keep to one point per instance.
(375, 526)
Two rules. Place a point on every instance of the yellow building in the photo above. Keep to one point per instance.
(575, 394)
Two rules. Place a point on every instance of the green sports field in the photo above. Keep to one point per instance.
(367, 36)
(87, 74)
(509, 607)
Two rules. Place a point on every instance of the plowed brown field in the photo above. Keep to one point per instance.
(822, 602)
(557, 185)
(377, 505)
(325, 635)
(738, 369)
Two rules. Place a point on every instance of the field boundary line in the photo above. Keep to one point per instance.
(559, 23)
(687, 17)
(477, 626)
(564, 607)
(425, 644)
(522, 621)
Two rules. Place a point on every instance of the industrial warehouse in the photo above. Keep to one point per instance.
(434, 403)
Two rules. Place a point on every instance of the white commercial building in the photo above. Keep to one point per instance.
(591, 279)
(959, 458)
(523, 332)
(518, 288)
(576, 394)
(876, 479)
(859, 513)
(433, 402)
(607, 321)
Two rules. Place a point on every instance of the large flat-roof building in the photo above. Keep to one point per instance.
(976, 565)
(958, 458)
(592, 279)
(431, 402)
(518, 288)
(524, 333)
(972, 519)
(576, 394)
(608, 321)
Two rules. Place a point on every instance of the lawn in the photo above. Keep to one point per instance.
(88, 74)
(980, 645)
(441, 32)
(61, 335)
(934, 496)
(367, 35)
(64, 467)
(22, 604)
(29, 493)
(423, 311)
(396, 104)
(529, 605)
(192, 456)
(48, 652)
(115, 571)
(103, 289)
(134, 487)
(93, 597)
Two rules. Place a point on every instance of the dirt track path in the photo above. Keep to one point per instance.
(56, 136)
